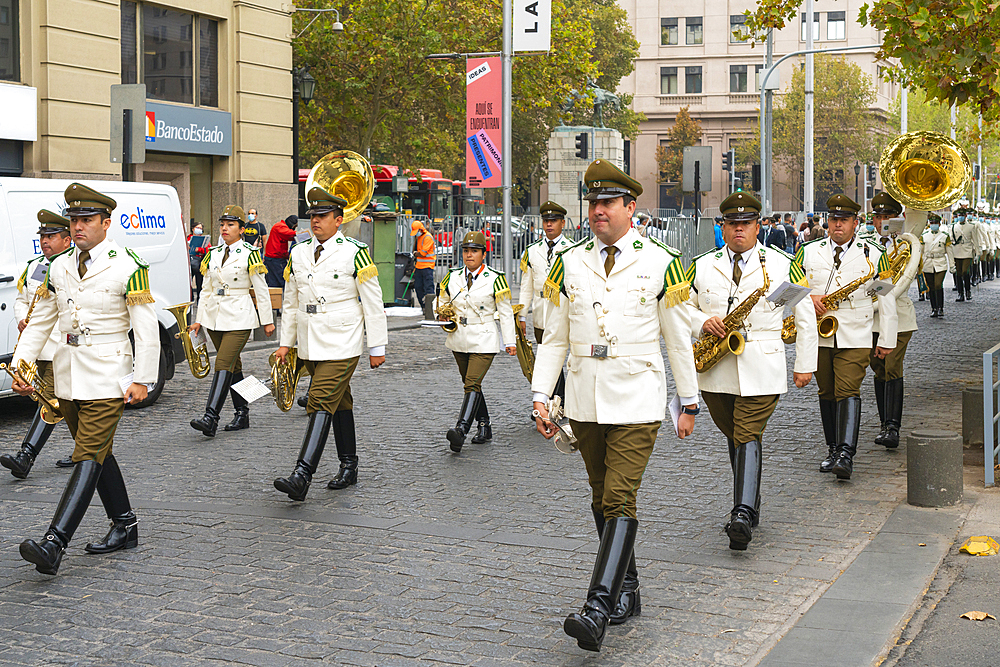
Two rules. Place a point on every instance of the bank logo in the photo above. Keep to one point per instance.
(150, 126)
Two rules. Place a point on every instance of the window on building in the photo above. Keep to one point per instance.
(757, 69)
(804, 34)
(668, 81)
(692, 80)
(668, 32)
(737, 78)
(836, 25)
(693, 30)
(736, 22)
(167, 41)
(10, 51)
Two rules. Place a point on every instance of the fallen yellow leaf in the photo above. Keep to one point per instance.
(977, 616)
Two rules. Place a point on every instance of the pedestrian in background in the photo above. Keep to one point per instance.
(276, 249)
(197, 252)
(719, 242)
(423, 256)
(255, 232)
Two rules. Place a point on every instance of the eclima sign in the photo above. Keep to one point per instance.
(143, 223)
(177, 129)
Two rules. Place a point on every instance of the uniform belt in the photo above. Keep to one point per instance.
(92, 339)
(233, 291)
(764, 335)
(619, 350)
(316, 308)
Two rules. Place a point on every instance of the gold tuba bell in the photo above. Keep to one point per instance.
(197, 357)
(284, 379)
(345, 174)
(925, 171)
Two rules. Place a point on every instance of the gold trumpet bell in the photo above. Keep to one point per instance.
(925, 171)
(345, 174)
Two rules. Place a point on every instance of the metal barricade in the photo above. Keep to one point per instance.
(990, 416)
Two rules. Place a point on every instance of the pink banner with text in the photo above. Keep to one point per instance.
(483, 128)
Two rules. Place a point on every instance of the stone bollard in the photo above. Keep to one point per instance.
(972, 415)
(933, 468)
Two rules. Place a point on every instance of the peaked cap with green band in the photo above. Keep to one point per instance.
(551, 211)
(842, 206)
(81, 200)
(740, 206)
(234, 212)
(474, 240)
(322, 202)
(52, 223)
(606, 181)
(884, 204)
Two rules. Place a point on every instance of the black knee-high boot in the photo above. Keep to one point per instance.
(629, 600)
(38, 434)
(47, 554)
(893, 412)
(296, 485)
(241, 418)
(124, 533)
(828, 414)
(880, 402)
(848, 423)
(613, 556)
(209, 424)
(347, 450)
(470, 407)
(484, 431)
(746, 496)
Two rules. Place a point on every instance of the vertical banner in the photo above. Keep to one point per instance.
(532, 25)
(483, 130)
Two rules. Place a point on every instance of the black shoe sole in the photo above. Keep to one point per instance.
(37, 558)
(739, 537)
(282, 485)
(230, 427)
(65, 463)
(90, 549)
(456, 439)
(581, 633)
(338, 487)
(19, 473)
(209, 433)
(842, 473)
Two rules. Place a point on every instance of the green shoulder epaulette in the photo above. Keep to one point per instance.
(364, 266)
(356, 242)
(786, 254)
(138, 260)
(23, 280)
(137, 289)
(525, 262)
(501, 290)
(672, 251)
(676, 288)
(554, 281)
(571, 246)
(255, 264)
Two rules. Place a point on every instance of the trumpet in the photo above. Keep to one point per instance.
(564, 440)
(43, 394)
(448, 312)
(284, 379)
(197, 357)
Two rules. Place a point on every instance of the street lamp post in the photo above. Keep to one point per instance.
(303, 88)
(857, 172)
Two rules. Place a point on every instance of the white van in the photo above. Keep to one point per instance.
(147, 220)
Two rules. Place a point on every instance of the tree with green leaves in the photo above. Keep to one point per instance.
(945, 47)
(685, 131)
(377, 94)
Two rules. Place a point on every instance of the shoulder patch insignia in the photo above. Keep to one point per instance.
(590, 246)
(340, 240)
(112, 254)
(637, 244)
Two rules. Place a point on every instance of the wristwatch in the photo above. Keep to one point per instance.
(688, 411)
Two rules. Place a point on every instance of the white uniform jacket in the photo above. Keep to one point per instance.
(328, 304)
(225, 303)
(965, 240)
(856, 313)
(622, 316)
(906, 313)
(93, 316)
(33, 278)
(761, 369)
(478, 308)
(535, 267)
(935, 253)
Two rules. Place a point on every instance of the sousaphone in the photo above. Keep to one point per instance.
(348, 175)
(926, 171)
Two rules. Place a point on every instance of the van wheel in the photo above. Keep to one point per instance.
(157, 389)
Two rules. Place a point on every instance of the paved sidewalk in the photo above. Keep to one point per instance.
(441, 559)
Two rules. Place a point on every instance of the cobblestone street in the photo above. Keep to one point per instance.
(436, 558)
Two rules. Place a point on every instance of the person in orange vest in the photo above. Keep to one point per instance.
(424, 256)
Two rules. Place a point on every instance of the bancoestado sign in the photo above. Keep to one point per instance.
(176, 129)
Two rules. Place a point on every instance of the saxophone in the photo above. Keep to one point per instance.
(710, 349)
(828, 324)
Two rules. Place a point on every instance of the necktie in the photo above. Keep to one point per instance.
(468, 280)
(836, 257)
(84, 256)
(737, 271)
(319, 251)
(609, 263)
(552, 245)
(225, 256)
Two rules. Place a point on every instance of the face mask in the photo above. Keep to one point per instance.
(252, 217)
(959, 219)
(935, 227)
(870, 228)
(198, 231)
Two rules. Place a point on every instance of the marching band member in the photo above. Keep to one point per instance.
(535, 264)
(888, 371)
(479, 295)
(838, 264)
(53, 239)
(935, 241)
(741, 391)
(964, 248)
(225, 309)
(331, 297)
(613, 296)
(95, 293)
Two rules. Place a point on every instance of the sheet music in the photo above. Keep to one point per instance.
(675, 412)
(788, 294)
(251, 388)
(881, 287)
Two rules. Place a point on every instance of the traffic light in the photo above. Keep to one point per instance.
(872, 173)
(975, 172)
(737, 184)
(581, 146)
(755, 177)
(727, 161)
